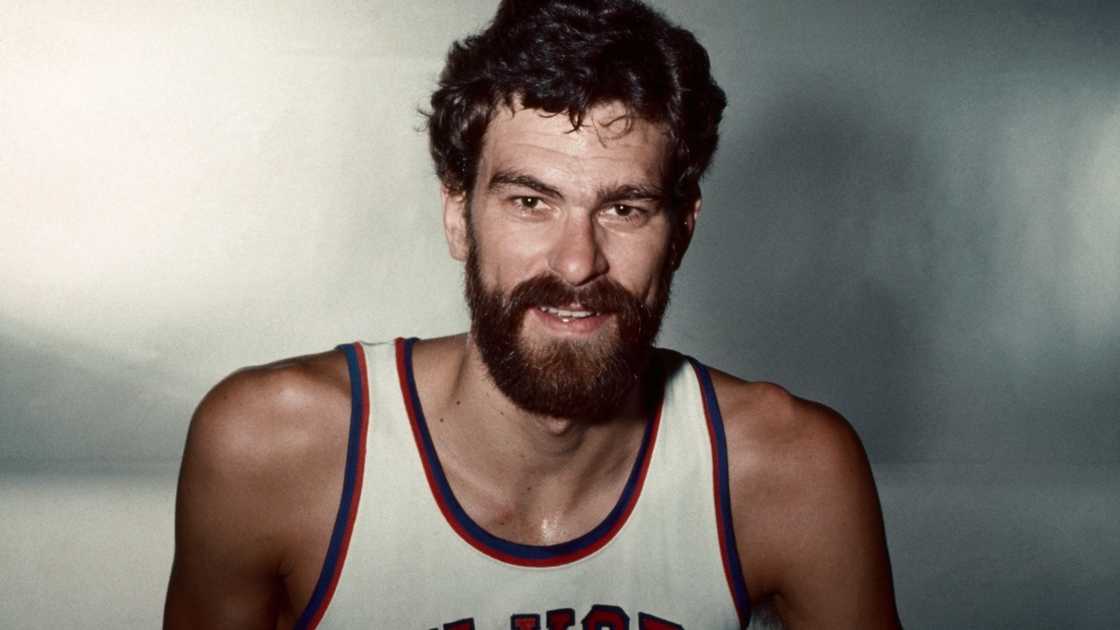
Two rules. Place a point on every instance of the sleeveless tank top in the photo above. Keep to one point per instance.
(405, 555)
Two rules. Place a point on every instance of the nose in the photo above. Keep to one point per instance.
(577, 256)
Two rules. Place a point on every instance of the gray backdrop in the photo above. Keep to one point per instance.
(914, 217)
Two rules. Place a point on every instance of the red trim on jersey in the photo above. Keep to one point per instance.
(403, 371)
(723, 523)
(352, 509)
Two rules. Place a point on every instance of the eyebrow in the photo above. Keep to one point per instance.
(513, 178)
(631, 192)
(609, 194)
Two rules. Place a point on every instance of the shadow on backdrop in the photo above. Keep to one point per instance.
(899, 275)
(64, 403)
(819, 182)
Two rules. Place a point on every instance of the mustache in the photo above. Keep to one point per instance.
(602, 296)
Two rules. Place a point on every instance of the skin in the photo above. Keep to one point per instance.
(263, 465)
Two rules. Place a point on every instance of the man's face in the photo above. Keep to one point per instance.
(570, 250)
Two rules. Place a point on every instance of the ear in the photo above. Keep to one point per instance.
(682, 234)
(455, 223)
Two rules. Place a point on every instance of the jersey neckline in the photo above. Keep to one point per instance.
(494, 546)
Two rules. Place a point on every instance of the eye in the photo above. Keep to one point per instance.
(527, 203)
(626, 214)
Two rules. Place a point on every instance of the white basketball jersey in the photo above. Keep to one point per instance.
(405, 555)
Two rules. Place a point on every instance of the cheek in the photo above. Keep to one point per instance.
(505, 259)
(641, 267)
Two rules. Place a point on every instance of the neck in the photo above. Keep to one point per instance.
(561, 441)
(481, 434)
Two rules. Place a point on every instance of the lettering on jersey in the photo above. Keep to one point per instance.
(649, 622)
(525, 622)
(604, 617)
(561, 619)
(600, 617)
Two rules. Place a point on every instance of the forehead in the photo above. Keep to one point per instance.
(609, 145)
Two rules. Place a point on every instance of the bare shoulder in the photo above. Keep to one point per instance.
(260, 416)
(806, 512)
(258, 488)
(269, 425)
(776, 434)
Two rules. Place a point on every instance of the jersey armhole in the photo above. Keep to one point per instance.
(728, 547)
(351, 490)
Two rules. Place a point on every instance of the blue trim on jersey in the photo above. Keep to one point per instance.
(738, 582)
(342, 520)
(527, 552)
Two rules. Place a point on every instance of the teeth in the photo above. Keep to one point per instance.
(566, 314)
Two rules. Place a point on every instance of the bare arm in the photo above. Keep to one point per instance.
(807, 515)
(257, 493)
(226, 557)
(838, 574)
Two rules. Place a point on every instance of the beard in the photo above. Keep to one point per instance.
(561, 378)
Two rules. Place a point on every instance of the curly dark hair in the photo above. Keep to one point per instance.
(568, 56)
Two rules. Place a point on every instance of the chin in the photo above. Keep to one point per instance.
(583, 378)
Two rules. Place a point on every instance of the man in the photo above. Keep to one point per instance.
(548, 469)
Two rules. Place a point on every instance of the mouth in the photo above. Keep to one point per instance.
(568, 314)
(571, 319)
